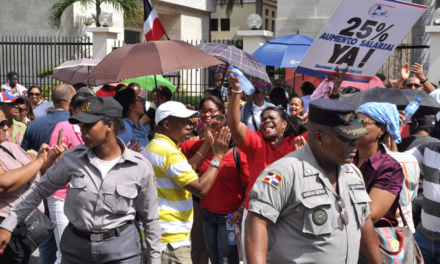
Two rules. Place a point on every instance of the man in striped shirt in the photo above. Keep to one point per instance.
(428, 231)
(176, 179)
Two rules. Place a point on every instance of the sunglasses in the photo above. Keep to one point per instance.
(3, 123)
(21, 110)
(209, 111)
(342, 212)
(364, 121)
(409, 85)
(34, 94)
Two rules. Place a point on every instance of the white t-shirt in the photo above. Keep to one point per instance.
(105, 166)
(257, 114)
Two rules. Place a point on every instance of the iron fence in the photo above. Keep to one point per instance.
(34, 58)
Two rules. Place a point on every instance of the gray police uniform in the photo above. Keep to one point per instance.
(298, 198)
(100, 211)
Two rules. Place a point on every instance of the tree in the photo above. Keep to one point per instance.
(131, 8)
(230, 5)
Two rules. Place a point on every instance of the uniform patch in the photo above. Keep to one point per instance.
(364, 211)
(347, 168)
(356, 186)
(319, 217)
(57, 160)
(273, 179)
(313, 193)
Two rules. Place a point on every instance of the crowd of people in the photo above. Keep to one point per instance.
(151, 180)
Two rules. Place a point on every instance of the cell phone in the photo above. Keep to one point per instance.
(60, 137)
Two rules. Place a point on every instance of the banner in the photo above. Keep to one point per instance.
(361, 35)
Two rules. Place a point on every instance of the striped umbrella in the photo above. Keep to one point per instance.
(230, 55)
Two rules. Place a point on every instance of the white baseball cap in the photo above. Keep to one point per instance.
(176, 109)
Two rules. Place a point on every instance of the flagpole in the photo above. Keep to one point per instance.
(157, 93)
(168, 38)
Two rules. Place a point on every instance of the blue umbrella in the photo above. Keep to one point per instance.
(283, 52)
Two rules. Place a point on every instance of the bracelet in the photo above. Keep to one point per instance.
(241, 209)
(422, 82)
(200, 154)
(237, 92)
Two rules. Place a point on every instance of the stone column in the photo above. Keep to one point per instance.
(253, 39)
(103, 40)
(434, 54)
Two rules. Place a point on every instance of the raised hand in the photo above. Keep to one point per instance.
(136, 147)
(404, 72)
(43, 152)
(300, 142)
(221, 142)
(417, 69)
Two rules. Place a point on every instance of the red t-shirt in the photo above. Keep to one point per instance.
(261, 154)
(229, 187)
(104, 93)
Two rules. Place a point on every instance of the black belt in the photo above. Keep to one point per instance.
(100, 236)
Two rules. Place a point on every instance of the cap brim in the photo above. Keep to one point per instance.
(85, 118)
(186, 114)
(20, 100)
(351, 131)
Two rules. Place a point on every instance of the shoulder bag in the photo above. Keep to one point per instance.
(397, 244)
(38, 226)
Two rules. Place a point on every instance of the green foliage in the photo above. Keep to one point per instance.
(131, 8)
(45, 71)
(239, 43)
(381, 76)
(229, 4)
(188, 99)
(47, 90)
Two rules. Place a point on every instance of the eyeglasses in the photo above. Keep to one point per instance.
(208, 111)
(21, 110)
(342, 212)
(365, 121)
(3, 123)
(34, 94)
(409, 85)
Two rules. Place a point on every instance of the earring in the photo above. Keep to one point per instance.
(379, 135)
(284, 129)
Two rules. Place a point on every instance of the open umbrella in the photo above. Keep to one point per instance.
(149, 83)
(230, 55)
(76, 71)
(374, 82)
(285, 51)
(400, 97)
(150, 58)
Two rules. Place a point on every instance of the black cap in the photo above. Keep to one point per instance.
(424, 119)
(341, 116)
(96, 108)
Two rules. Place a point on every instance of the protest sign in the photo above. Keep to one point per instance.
(361, 35)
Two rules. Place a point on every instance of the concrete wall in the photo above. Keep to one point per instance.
(307, 16)
(238, 18)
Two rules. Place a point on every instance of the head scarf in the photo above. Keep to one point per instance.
(386, 114)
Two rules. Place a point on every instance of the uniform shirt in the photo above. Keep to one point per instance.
(428, 157)
(411, 171)
(298, 198)
(40, 130)
(383, 172)
(94, 204)
(261, 153)
(172, 172)
(130, 130)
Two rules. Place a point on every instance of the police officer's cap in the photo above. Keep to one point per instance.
(341, 116)
(96, 108)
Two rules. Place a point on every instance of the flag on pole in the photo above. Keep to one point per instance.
(153, 28)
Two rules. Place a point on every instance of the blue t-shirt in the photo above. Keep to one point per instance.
(40, 110)
(40, 130)
(130, 129)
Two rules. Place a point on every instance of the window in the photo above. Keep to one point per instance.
(267, 12)
(225, 24)
(214, 24)
(273, 13)
(266, 24)
(273, 25)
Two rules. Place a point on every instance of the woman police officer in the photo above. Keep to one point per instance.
(104, 177)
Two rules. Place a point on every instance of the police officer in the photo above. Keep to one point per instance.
(104, 177)
(311, 206)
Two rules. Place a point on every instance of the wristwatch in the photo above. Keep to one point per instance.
(334, 96)
(215, 163)
(422, 82)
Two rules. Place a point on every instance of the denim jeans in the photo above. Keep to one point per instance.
(56, 208)
(48, 249)
(214, 228)
(430, 249)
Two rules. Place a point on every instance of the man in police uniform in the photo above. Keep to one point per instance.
(311, 206)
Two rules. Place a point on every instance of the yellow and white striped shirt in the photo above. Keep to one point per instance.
(172, 172)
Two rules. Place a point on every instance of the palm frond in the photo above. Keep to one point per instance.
(131, 7)
(57, 10)
(229, 4)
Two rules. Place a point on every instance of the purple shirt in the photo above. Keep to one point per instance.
(383, 172)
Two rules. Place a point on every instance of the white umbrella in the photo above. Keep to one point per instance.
(76, 71)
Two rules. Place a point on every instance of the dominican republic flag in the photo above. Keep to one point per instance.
(153, 29)
(273, 179)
